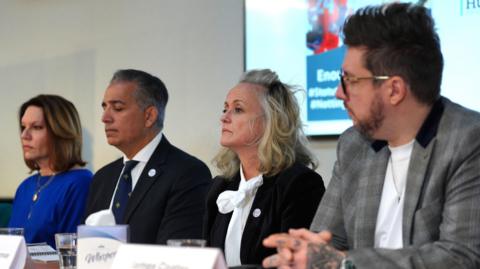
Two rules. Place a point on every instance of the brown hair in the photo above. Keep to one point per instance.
(401, 40)
(63, 128)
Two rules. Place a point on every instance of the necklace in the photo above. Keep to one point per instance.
(40, 188)
(399, 195)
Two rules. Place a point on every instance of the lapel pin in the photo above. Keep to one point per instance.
(257, 212)
(152, 172)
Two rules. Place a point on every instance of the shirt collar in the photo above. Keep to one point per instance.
(251, 181)
(428, 130)
(146, 152)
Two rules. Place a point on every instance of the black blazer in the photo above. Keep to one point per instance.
(287, 200)
(168, 205)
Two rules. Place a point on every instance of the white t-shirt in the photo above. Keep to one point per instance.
(388, 229)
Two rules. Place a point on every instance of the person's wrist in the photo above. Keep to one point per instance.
(347, 264)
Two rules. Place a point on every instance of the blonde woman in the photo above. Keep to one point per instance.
(265, 185)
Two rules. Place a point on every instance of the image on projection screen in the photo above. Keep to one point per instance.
(301, 41)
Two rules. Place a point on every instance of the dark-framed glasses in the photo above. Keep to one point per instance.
(347, 80)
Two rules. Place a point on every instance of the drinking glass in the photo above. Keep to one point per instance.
(11, 231)
(186, 243)
(67, 250)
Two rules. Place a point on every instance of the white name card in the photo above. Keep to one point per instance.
(134, 256)
(97, 245)
(13, 252)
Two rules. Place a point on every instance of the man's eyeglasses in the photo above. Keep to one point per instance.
(348, 80)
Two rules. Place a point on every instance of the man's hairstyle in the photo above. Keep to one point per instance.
(150, 91)
(63, 128)
(283, 142)
(401, 40)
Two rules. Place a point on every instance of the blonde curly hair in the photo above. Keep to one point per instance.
(283, 142)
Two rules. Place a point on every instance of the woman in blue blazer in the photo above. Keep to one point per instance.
(52, 200)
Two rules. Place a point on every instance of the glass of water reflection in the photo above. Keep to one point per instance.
(11, 231)
(186, 243)
(67, 250)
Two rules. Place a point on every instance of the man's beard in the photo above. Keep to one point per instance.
(369, 126)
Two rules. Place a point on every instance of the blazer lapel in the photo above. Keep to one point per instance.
(370, 194)
(109, 183)
(416, 179)
(150, 174)
(220, 226)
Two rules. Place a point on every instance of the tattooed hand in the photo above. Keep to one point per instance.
(323, 256)
(302, 249)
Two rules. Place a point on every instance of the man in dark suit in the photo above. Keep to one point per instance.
(163, 195)
(405, 189)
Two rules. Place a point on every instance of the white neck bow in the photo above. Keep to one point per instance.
(227, 201)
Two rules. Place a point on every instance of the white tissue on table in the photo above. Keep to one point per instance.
(101, 218)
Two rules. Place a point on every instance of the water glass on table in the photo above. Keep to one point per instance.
(67, 250)
(11, 231)
(186, 243)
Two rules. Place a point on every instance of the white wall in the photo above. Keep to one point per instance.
(72, 48)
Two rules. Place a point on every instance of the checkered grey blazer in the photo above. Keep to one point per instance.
(441, 218)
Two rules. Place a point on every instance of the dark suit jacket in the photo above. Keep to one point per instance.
(168, 205)
(441, 214)
(287, 200)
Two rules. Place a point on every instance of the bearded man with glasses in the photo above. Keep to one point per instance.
(405, 188)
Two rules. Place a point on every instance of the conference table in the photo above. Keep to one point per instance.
(42, 265)
(54, 265)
